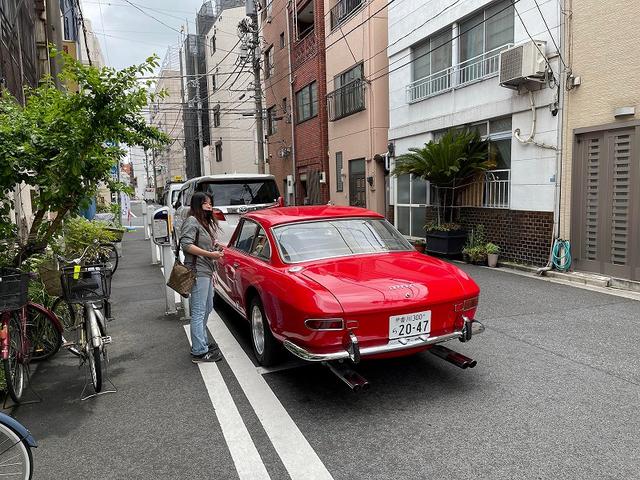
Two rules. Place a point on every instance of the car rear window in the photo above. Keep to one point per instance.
(301, 242)
(241, 192)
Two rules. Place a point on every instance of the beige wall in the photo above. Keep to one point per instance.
(601, 47)
(363, 134)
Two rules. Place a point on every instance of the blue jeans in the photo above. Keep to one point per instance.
(201, 305)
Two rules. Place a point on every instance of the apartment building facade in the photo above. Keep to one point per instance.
(357, 101)
(600, 196)
(279, 151)
(309, 86)
(444, 61)
(233, 146)
(168, 161)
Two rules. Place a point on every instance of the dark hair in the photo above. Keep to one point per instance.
(196, 210)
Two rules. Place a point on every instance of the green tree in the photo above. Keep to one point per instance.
(448, 165)
(65, 143)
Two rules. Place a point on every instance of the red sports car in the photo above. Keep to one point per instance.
(333, 283)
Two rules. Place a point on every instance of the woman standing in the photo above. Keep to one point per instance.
(198, 239)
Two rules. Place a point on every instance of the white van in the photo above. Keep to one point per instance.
(233, 195)
(170, 195)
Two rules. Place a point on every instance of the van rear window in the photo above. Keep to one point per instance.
(241, 192)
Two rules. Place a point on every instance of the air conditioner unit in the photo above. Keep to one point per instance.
(523, 64)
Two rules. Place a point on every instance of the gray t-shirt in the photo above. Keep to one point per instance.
(204, 265)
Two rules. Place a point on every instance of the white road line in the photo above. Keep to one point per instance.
(300, 460)
(285, 366)
(245, 456)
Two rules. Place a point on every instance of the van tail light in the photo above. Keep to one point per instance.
(219, 215)
(324, 323)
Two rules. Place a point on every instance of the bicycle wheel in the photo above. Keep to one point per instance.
(65, 312)
(16, 459)
(94, 358)
(109, 256)
(44, 337)
(14, 369)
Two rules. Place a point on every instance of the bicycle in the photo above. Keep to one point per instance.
(88, 286)
(16, 442)
(16, 347)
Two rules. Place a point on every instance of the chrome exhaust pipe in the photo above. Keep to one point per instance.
(455, 358)
(353, 379)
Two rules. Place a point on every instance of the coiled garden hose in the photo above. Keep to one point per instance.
(561, 255)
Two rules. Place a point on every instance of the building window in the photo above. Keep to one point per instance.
(411, 205)
(431, 56)
(213, 82)
(282, 44)
(307, 102)
(305, 20)
(213, 44)
(269, 67)
(272, 126)
(485, 32)
(216, 116)
(339, 179)
(218, 151)
(343, 10)
(348, 96)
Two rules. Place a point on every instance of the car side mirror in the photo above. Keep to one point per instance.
(280, 202)
(177, 205)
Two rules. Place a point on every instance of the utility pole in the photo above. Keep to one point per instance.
(199, 109)
(254, 44)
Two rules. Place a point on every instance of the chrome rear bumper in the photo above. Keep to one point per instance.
(354, 352)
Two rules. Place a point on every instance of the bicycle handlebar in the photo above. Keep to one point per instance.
(76, 261)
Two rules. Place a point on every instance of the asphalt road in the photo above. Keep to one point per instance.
(555, 395)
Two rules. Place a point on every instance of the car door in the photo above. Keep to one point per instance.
(236, 261)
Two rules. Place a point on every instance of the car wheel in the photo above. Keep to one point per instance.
(265, 347)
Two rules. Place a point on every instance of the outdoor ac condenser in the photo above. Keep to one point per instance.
(523, 64)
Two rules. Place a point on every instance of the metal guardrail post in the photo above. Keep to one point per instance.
(186, 307)
(170, 297)
(145, 223)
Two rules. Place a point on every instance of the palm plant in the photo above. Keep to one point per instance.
(448, 165)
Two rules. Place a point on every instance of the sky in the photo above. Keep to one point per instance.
(128, 36)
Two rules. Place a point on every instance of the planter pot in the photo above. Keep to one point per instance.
(446, 243)
(117, 232)
(419, 247)
(492, 259)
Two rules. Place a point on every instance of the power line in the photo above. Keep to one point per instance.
(106, 47)
(151, 16)
(550, 34)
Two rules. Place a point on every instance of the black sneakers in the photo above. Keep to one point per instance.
(210, 356)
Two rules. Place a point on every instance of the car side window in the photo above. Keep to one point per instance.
(261, 247)
(246, 236)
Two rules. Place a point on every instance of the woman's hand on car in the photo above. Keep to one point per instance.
(216, 255)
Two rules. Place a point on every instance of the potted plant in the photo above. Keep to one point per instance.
(476, 255)
(448, 164)
(419, 245)
(493, 251)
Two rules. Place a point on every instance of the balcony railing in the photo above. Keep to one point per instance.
(346, 100)
(343, 10)
(473, 70)
(490, 190)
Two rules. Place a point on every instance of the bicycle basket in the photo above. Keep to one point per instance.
(89, 283)
(14, 289)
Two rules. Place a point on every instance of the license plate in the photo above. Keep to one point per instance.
(409, 325)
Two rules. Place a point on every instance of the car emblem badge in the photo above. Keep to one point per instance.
(243, 209)
(407, 295)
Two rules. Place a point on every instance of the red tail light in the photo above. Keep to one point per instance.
(468, 304)
(324, 323)
(219, 215)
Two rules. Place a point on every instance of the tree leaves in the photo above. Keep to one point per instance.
(65, 143)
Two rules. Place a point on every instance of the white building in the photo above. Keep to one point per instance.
(444, 60)
(233, 146)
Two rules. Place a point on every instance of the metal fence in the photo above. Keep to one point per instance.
(343, 10)
(346, 100)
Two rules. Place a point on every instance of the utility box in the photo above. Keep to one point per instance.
(161, 226)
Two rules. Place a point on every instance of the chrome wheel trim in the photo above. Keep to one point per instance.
(257, 329)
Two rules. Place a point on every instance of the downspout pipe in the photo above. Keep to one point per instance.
(291, 102)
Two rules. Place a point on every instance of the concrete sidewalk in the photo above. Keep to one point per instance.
(160, 423)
